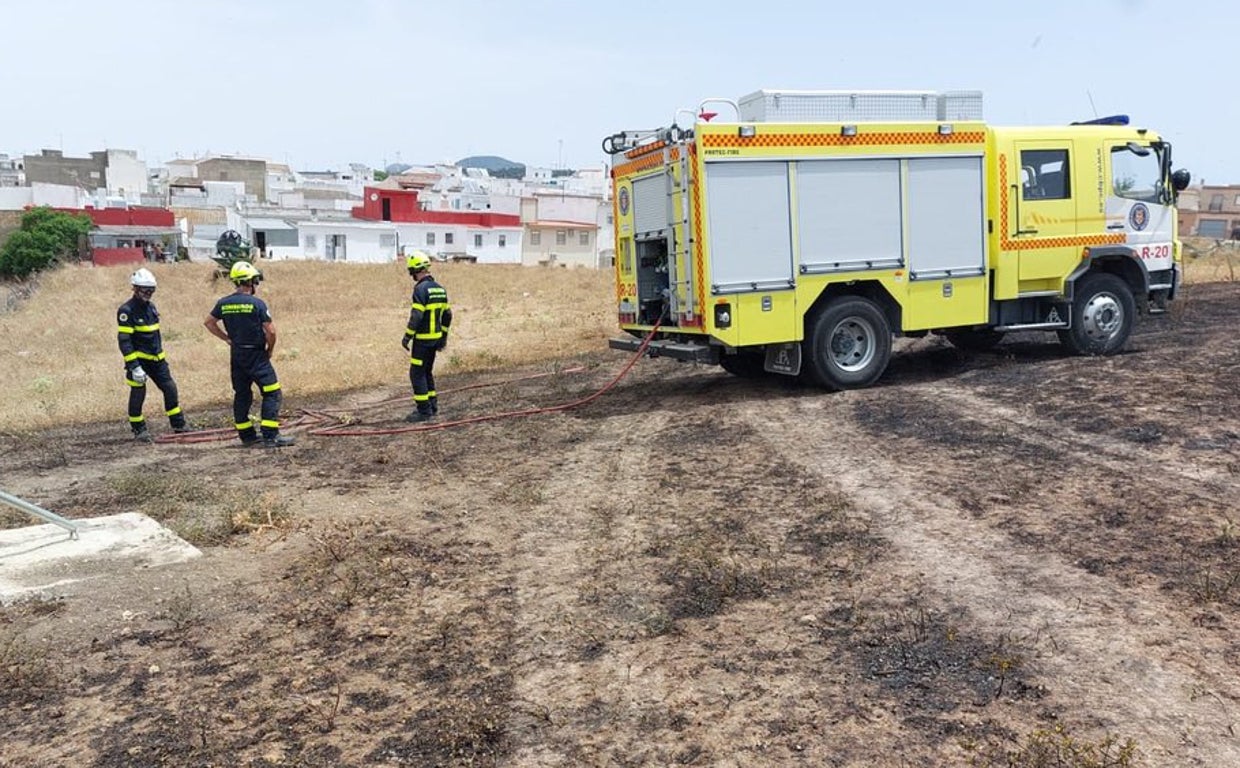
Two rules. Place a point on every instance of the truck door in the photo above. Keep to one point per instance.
(1138, 206)
(1046, 222)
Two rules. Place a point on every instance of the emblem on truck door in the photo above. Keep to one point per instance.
(1139, 216)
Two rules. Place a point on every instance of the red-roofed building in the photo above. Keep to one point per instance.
(480, 236)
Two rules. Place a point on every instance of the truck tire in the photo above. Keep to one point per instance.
(746, 365)
(1103, 313)
(974, 340)
(847, 344)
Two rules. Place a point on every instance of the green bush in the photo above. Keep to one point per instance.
(46, 236)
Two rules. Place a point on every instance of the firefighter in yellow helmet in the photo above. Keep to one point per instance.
(251, 335)
(142, 347)
(426, 334)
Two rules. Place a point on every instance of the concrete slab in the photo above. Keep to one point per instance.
(43, 559)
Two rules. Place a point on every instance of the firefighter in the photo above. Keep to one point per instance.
(251, 335)
(425, 334)
(137, 334)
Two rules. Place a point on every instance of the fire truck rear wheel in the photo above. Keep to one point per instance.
(848, 344)
(1103, 313)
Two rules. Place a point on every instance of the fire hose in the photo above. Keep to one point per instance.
(337, 422)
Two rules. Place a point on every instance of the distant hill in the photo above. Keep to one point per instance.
(498, 167)
(395, 168)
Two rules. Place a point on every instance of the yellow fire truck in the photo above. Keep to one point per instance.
(799, 237)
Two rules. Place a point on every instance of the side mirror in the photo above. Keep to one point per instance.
(1181, 179)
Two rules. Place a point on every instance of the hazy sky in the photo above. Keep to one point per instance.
(320, 84)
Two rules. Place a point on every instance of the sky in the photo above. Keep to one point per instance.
(320, 84)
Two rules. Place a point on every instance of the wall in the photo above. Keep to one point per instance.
(548, 252)
(405, 207)
(139, 217)
(363, 244)
(490, 252)
(52, 167)
(1218, 212)
(252, 172)
(106, 257)
(126, 175)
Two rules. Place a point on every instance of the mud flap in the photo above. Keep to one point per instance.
(783, 358)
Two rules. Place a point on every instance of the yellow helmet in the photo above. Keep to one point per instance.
(243, 272)
(417, 260)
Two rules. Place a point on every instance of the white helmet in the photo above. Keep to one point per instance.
(142, 279)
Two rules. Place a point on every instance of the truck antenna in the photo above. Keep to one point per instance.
(1091, 102)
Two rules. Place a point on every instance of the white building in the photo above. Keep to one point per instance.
(358, 242)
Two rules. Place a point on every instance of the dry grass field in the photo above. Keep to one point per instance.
(339, 328)
(1011, 559)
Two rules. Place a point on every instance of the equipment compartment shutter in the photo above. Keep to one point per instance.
(750, 231)
(650, 204)
(848, 215)
(946, 218)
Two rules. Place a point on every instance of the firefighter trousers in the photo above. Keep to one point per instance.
(422, 377)
(158, 373)
(250, 366)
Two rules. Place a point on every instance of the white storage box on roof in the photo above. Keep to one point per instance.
(770, 106)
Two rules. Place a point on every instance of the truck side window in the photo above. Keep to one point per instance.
(1135, 177)
(1045, 174)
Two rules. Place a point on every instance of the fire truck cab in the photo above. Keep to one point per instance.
(800, 235)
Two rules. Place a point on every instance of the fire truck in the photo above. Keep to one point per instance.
(798, 232)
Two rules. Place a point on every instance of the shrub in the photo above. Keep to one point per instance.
(45, 237)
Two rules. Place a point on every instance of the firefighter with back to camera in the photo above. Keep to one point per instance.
(251, 335)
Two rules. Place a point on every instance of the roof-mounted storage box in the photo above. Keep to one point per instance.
(771, 106)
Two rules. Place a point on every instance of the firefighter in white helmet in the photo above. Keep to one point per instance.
(137, 334)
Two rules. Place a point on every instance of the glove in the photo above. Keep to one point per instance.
(406, 340)
(137, 374)
(443, 341)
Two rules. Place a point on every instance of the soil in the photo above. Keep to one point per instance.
(984, 554)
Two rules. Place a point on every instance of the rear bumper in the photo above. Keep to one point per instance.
(678, 350)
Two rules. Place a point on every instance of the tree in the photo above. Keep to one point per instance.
(380, 175)
(46, 237)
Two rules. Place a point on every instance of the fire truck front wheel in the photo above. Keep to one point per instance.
(848, 344)
(1103, 312)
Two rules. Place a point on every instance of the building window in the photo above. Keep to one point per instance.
(536, 238)
(503, 240)
(1237, 203)
(561, 237)
(477, 241)
(583, 238)
(447, 238)
(1216, 203)
(1212, 228)
(1045, 174)
(430, 238)
(387, 241)
(312, 243)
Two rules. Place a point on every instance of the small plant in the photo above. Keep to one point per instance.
(1210, 587)
(1057, 748)
(180, 609)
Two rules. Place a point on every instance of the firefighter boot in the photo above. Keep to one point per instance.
(277, 441)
